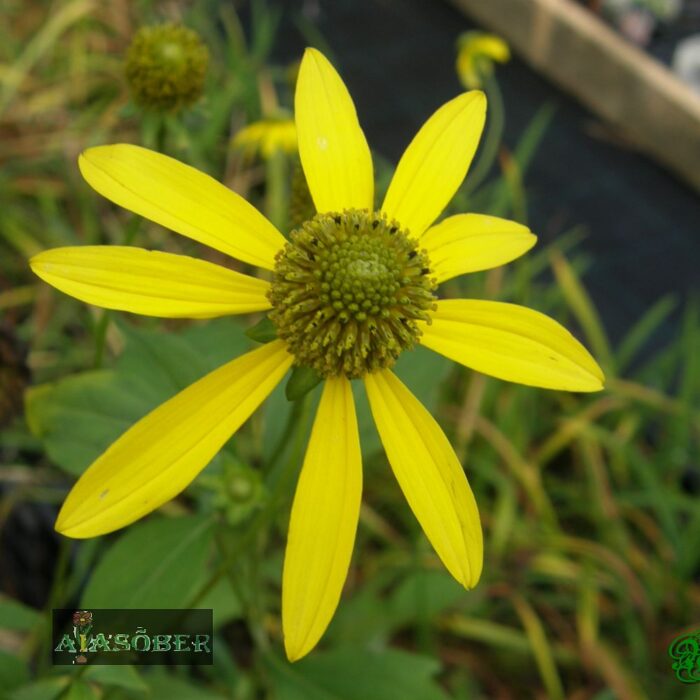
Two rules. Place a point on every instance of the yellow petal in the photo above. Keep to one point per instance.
(429, 474)
(160, 455)
(183, 199)
(433, 166)
(489, 45)
(472, 242)
(511, 342)
(332, 147)
(323, 521)
(149, 282)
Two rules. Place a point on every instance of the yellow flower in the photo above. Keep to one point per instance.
(345, 256)
(476, 52)
(266, 137)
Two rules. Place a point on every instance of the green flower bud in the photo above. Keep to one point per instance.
(165, 67)
(244, 492)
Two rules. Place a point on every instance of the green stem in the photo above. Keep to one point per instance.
(56, 596)
(276, 176)
(101, 337)
(162, 135)
(256, 605)
(292, 421)
(424, 635)
(494, 136)
(153, 131)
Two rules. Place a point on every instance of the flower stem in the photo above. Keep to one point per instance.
(153, 131)
(292, 421)
(55, 600)
(276, 177)
(494, 136)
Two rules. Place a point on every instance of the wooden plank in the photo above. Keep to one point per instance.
(613, 78)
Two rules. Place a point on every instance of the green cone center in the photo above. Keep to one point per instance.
(347, 292)
(165, 67)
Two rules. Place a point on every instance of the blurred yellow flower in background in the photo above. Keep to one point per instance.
(266, 137)
(476, 54)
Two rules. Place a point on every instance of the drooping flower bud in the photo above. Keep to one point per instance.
(476, 54)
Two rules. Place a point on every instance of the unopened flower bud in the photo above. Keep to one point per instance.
(165, 67)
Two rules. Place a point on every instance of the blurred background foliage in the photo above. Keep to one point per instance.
(588, 502)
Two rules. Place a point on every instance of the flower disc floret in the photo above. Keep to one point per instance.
(347, 292)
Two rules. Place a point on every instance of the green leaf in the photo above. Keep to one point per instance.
(47, 689)
(224, 603)
(167, 686)
(126, 677)
(155, 564)
(525, 151)
(78, 417)
(17, 616)
(389, 602)
(583, 309)
(643, 329)
(364, 618)
(218, 341)
(13, 672)
(353, 674)
(167, 363)
(80, 690)
(301, 382)
(263, 331)
(425, 594)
